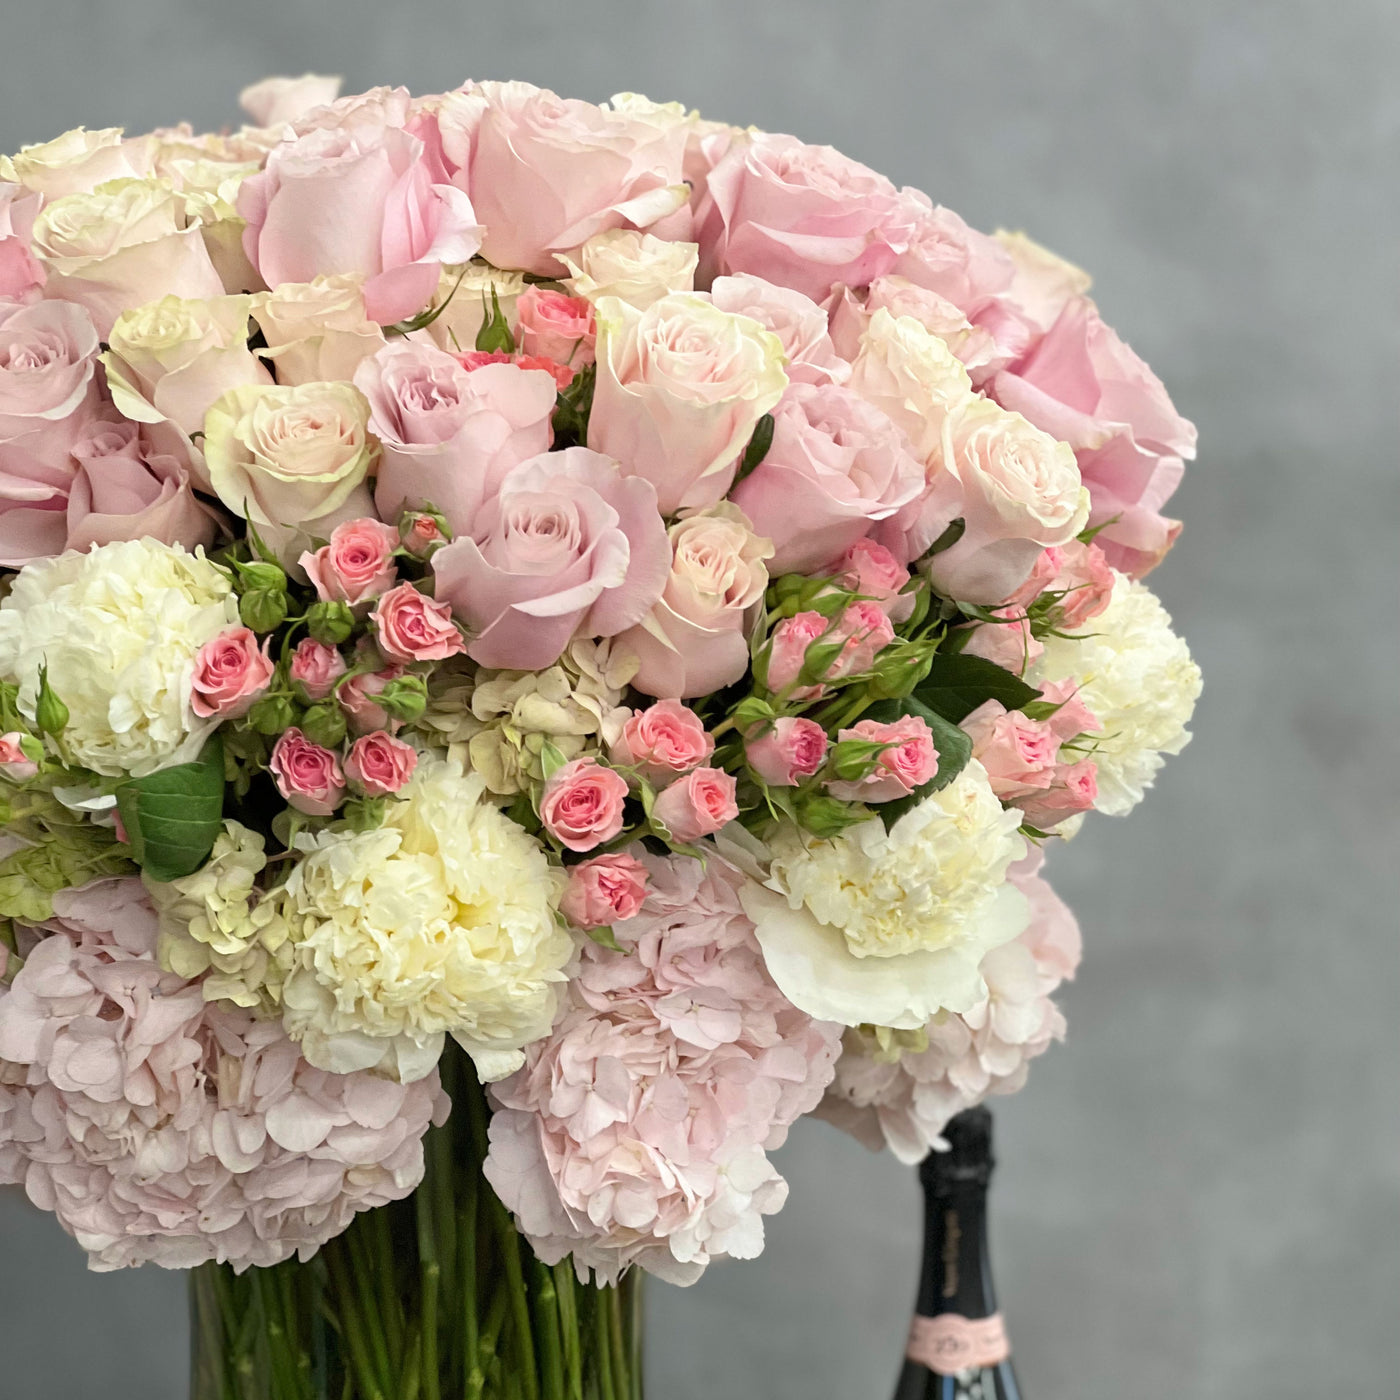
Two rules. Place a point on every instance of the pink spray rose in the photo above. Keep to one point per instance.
(798, 322)
(1084, 386)
(790, 749)
(379, 764)
(802, 216)
(308, 776)
(316, 666)
(449, 435)
(568, 545)
(356, 565)
(230, 672)
(15, 764)
(873, 571)
(662, 741)
(1009, 644)
(866, 629)
(836, 466)
(546, 173)
(556, 327)
(788, 652)
(1085, 577)
(21, 273)
(697, 805)
(910, 762)
(356, 698)
(1019, 753)
(420, 532)
(358, 197)
(581, 806)
(411, 627)
(603, 890)
(1073, 788)
(1042, 575)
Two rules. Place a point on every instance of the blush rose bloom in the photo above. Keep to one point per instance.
(555, 326)
(694, 640)
(1074, 788)
(801, 216)
(871, 570)
(410, 627)
(316, 666)
(230, 672)
(638, 268)
(547, 173)
(449, 435)
(358, 198)
(1083, 385)
(79, 160)
(317, 330)
(944, 255)
(308, 777)
(1009, 643)
(910, 762)
(680, 389)
(581, 806)
(790, 749)
(662, 741)
(799, 323)
(604, 890)
(277, 100)
(379, 764)
(567, 546)
(357, 564)
(356, 699)
(21, 273)
(697, 805)
(836, 466)
(1019, 753)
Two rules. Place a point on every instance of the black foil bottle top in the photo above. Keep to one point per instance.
(968, 1161)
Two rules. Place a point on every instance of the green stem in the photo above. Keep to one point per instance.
(602, 1347)
(621, 1361)
(568, 1324)
(520, 1303)
(352, 1329)
(547, 1332)
(431, 1273)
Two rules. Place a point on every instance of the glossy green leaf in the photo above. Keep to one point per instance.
(173, 817)
(957, 684)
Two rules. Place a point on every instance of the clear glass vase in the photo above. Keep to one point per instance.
(434, 1298)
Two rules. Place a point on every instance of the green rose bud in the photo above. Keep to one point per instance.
(750, 711)
(854, 759)
(404, 698)
(324, 724)
(363, 813)
(261, 575)
(31, 748)
(826, 817)
(330, 622)
(898, 673)
(263, 609)
(50, 713)
(818, 660)
(272, 714)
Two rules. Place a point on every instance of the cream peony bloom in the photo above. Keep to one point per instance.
(118, 628)
(635, 267)
(441, 922)
(889, 928)
(1138, 678)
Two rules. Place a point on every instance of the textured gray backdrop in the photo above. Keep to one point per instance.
(1198, 1194)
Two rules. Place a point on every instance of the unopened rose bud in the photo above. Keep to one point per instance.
(50, 713)
(404, 698)
(324, 724)
(330, 621)
(272, 714)
(422, 531)
(825, 817)
(263, 609)
(261, 575)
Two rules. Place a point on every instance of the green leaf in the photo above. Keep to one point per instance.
(957, 684)
(604, 935)
(757, 449)
(173, 817)
(551, 759)
(948, 538)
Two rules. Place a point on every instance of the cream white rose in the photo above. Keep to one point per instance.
(210, 191)
(464, 293)
(637, 268)
(78, 161)
(318, 330)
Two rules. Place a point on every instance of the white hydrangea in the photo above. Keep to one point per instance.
(442, 921)
(118, 628)
(889, 928)
(1138, 678)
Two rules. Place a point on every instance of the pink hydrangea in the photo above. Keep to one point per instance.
(161, 1128)
(638, 1132)
(904, 1100)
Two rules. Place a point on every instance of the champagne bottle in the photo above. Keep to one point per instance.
(957, 1344)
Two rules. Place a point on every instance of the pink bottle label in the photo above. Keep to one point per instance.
(950, 1343)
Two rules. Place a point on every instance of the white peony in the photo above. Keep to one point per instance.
(118, 628)
(889, 928)
(441, 922)
(1138, 678)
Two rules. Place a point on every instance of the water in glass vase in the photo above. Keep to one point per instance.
(434, 1298)
(957, 1343)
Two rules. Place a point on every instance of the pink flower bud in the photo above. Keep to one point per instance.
(604, 890)
(556, 327)
(582, 804)
(412, 627)
(308, 776)
(316, 667)
(1074, 788)
(379, 764)
(867, 630)
(697, 805)
(666, 739)
(15, 764)
(356, 698)
(872, 570)
(789, 750)
(909, 764)
(230, 672)
(356, 565)
(789, 643)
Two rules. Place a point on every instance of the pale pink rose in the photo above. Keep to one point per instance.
(836, 466)
(123, 489)
(316, 666)
(1019, 753)
(943, 255)
(1072, 717)
(581, 806)
(449, 435)
(697, 805)
(411, 627)
(379, 764)
(664, 740)
(358, 197)
(1073, 788)
(681, 387)
(1008, 644)
(555, 326)
(547, 173)
(567, 546)
(356, 699)
(873, 571)
(1047, 565)
(356, 565)
(21, 273)
(787, 751)
(695, 639)
(1084, 386)
(801, 216)
(230, 672)
(788, 652)
(308, 776)
(1043, 285)
(798, 322)
(79, 160)
(603, 890)
(866, 629)
(910, 762)
(1085, 577)
(277, 100)
(15, 764)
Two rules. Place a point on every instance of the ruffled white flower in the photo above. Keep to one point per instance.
(889, 928)
(118, 628)
(440, 922)
(1138, 678)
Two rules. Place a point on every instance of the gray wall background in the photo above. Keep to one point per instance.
(1198, 1194)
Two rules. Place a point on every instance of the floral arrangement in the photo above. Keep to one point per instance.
(630, 597)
